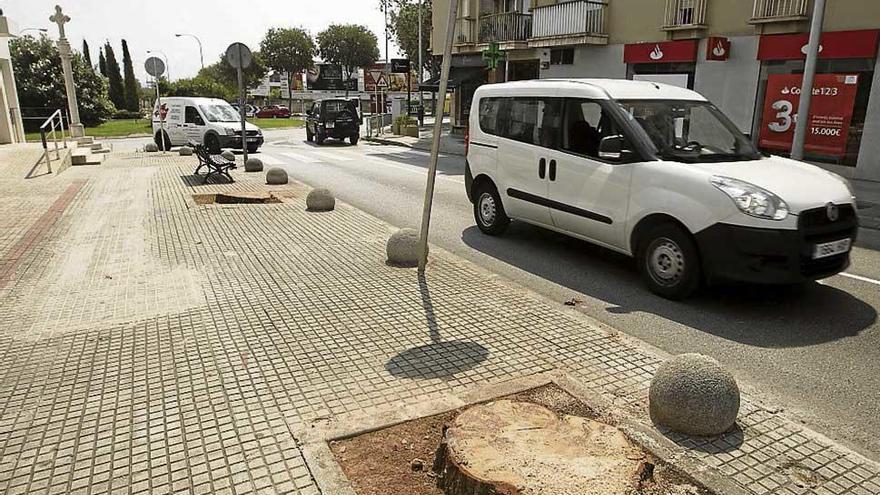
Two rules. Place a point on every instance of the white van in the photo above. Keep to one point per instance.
(656, 172)
(209, 121)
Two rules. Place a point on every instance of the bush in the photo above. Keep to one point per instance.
(405, 120)
(127, 115)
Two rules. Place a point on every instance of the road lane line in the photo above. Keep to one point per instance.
(333, 156)
(860, 278)
(302, 158)
(269, 159)
(417, 170)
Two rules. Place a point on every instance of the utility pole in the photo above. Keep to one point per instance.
(201, 53)
(421, 65)
(387, 59)
(435, 144)
(802, 125)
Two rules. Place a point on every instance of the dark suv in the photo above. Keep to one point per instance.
(335, 118)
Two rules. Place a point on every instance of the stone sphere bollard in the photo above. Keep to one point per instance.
(228, 155)
(320, 200)
(403, 248)
(151, 148)
(253, 165)
(185, 151)
(276, 176)
(694, 395)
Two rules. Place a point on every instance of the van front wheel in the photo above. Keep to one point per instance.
(489, 212)
(669, 262)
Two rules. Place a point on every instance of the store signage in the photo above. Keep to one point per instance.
(831, 110)
(667, 51)
(400, 66)
(717, 48)
(327, 77)
(837, 44)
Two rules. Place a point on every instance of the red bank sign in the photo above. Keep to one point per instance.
(663, 52)
(830, 112)
(836, 44)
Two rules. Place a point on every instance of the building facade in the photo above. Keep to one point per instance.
(11, 128)
(746, 56)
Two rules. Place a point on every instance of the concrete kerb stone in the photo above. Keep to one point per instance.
(403, 248)
(253, 164)
(276, 176)
(320, 200)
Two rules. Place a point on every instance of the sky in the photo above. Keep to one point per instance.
(151, 25)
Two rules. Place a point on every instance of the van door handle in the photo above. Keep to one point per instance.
(542, 168)
(552, 170)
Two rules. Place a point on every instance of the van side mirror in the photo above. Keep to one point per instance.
(611, 148)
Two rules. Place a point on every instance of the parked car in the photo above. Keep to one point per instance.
(274, 112)
(658, 173)
(250, 111)
(209, 121)
(336, 118)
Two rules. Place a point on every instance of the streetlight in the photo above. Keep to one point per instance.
(42, 30)
(167, 67)
(201, 54)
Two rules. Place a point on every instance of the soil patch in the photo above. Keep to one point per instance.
(234, 198)
(399, 459)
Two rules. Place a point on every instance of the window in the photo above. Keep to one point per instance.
(489, 110)
(192, 116)
(562, 56)
(587, 122)
(534, 121)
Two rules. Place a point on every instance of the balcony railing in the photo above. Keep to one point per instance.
(578, 17)
(465, 31)
(780, 10)
(507, 26)
(685, 14)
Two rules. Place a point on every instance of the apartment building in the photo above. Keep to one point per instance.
(746, 56)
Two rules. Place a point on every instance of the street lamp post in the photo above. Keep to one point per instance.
(167, 67)
(201, 53)
(421, 66)
(42, 30)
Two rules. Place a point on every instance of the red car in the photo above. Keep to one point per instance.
(274, 112)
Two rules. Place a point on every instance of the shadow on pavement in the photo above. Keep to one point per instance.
(718, 444)
(763, 316)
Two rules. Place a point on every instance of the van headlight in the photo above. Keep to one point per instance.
(751, 199)
(230, 131)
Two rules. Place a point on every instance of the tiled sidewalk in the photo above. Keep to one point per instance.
(156, 346)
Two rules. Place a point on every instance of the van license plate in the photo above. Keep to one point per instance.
(827, 249)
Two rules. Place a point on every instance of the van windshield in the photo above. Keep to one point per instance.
(220, 113)
(689, 131)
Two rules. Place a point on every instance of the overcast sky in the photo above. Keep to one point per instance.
(151, 25)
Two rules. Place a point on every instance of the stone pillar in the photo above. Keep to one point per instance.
(76, 128)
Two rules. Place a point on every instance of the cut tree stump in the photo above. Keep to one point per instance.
(520, 448)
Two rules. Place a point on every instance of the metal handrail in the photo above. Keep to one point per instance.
(55, 121)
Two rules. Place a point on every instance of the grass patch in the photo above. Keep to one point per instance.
(276, 123)
(127, 127)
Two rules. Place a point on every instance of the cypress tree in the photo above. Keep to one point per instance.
(131, 84)
(87, 56)
(114, 77)
(102, 63)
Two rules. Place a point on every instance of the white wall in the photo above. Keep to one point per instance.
(731, 85)
(589, 61)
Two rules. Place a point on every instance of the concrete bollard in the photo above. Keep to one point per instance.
(693, 394)
(320, 200)
(276, 176)
(151, 148)
(253, 165)
(228, 155)
(185, 151)
(403, 248)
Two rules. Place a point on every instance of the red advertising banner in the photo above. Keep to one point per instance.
(664, 51)
(833, 44)
(831, 110)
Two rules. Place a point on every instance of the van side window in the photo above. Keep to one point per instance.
(534, 121)
(193, 117)
(490, 108)
(587, 122)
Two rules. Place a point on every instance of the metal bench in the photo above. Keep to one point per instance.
(214, 163)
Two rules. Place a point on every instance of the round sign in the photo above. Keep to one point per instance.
(155, 66)
(239, 56)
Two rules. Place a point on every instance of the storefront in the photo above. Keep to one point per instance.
(670, 62)
(839, 109)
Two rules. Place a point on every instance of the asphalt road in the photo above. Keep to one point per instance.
(813, 351)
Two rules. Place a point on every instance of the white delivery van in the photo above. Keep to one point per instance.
(658, 173)
(208, 121)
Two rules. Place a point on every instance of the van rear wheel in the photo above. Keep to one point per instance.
(489, 212)
(669, 262)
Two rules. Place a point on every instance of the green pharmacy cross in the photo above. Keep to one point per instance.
(492, 56)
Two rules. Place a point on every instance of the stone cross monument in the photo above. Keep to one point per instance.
(76, 128)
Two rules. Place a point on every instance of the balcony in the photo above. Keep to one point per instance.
(770, 11)
(569, 23)
(685, 15)
(465, 35)
(509, 29)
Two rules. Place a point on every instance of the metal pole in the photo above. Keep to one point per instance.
(802, 124)
(387, 59)
(435, 144)
(241, 108)
(421, 65)
(161, 120)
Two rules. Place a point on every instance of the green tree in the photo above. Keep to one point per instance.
(201, 85)
(37, 67)
(403, 24)
(223, 73)
(349, 46)
(114, 77)
(130, 83)
(288, 50)
(102, 62)
(87, 57)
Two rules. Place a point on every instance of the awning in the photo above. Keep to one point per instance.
(457, 76)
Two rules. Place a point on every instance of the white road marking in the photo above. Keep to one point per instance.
(302, 158)
(339, 157)
(860, 278)
(417, 170)
(270, 160)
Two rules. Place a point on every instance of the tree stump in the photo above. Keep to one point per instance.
(519, 448)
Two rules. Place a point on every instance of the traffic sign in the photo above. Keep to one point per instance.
(400, 66)
(154, 66)
(239, 56)
(379, 77)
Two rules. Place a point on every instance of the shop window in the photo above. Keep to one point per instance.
(562, 56)
(666, 71)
